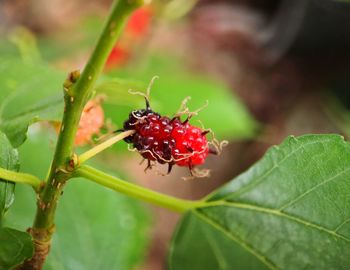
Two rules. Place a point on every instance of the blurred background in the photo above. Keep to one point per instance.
(268, 68)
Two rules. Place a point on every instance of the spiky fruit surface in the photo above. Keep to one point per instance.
(159, 138)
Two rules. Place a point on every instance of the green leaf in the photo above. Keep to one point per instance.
(15, 248)
(96, 228)
(29, 93)
(8, 160)
(116, 90)
(225, 114)
(26, 44)
(289, 211)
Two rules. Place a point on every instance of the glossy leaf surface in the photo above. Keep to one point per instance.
(16, 246)
(8, 160)
(288, 211)
(30, 92)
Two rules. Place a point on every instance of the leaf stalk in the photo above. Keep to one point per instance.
(135, 191)
(23, 178)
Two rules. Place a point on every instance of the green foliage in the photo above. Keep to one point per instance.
(96, 228)
(15, 247)
(225, 114)
(29, 93)
(116, 91)
(289, 211)
(8, 160)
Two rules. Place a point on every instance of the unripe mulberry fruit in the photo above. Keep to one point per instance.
(166, 140)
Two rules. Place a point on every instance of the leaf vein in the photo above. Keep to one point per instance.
(244, 245)
(341, 225)
(276, 212)
(290, 203)
(252, 184)
(216, 251)
(34, 110)
(20, 245)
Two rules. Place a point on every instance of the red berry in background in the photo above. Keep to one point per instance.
(136, 29)
(164, 140)
(91, 121)
(139, 22)
(117, 57)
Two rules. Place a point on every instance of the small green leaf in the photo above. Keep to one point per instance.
(289, 211)
(8, 160)
(29, 93)
(15, 248)
(26, 44)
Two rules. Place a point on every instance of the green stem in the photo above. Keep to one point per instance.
(77, 96)
(77, 91)
(135, 191)
(102, 146)
(23, 178)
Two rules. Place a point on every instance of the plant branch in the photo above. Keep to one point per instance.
(102, 146)
(77, 90)
(78, 93)
(135, 191)
(23, 178)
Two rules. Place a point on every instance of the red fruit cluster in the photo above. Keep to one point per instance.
(159, 138)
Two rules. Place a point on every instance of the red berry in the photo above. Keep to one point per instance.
(159, 138)
(139, 22)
